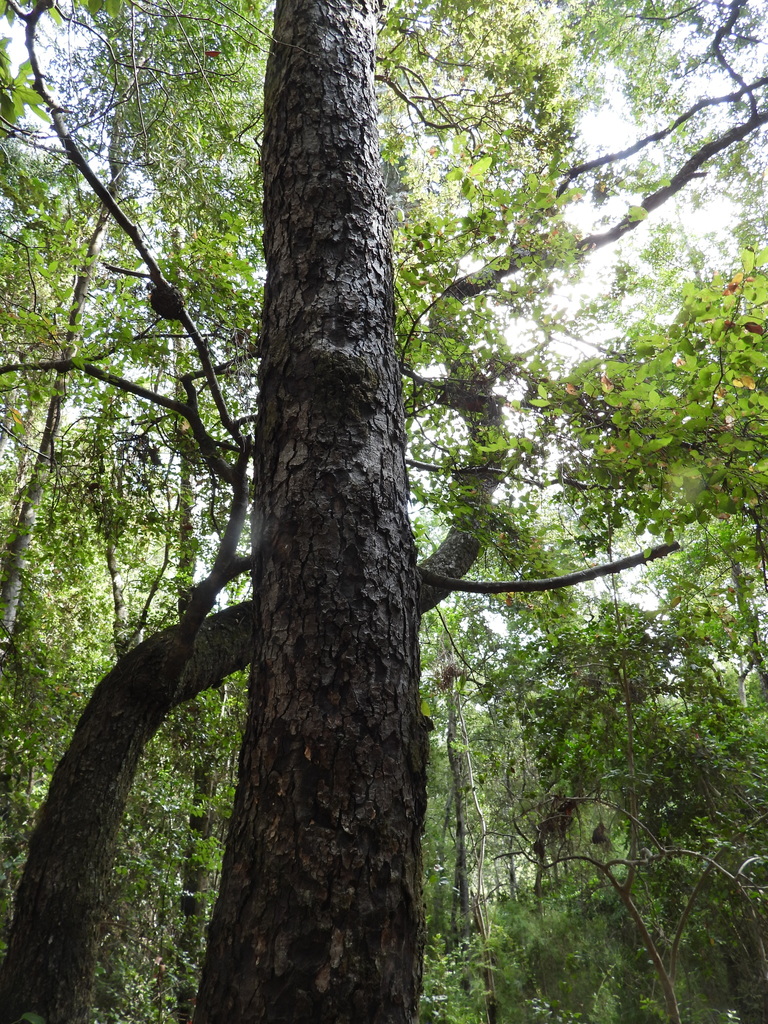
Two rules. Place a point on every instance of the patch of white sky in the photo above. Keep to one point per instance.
(17, 50)
(607, 128)
(706, 223)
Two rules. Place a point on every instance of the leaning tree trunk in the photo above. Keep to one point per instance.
(319, 916)
(49, 964)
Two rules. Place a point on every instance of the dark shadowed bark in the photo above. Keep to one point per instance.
(319, 916)
(48, 968)
(195, 878)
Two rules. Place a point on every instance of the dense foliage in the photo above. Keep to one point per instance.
(584, 373)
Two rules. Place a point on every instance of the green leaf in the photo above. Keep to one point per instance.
(477, 170)
(636, 213)
(658, 442)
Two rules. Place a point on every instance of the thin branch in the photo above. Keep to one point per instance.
(209, 446)
(227, 564)
(131, 229)
(122, 270)
(689, 171)
(484, 280)
(155, 586)
(636, 147)
(725, 30)
(554, 583)
(210, 375)
(71, 149)
(687, 909)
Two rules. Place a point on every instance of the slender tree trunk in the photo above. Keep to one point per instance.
(6, 421)
(752, 635)
(12, 566)
(13, 562)
(480, 903)
(461, 914)
(121, 635)
(194, 879)
(665, 981)
(319, 915)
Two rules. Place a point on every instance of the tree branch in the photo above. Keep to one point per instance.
(449, 584)
(687, 172)
(226, 564)
(189, 410)
(127, 225)
(636, 147)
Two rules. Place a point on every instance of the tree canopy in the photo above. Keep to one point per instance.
(461, 306)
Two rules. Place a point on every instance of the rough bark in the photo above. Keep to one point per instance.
(319, 916)
(455, 556)
(48, 968)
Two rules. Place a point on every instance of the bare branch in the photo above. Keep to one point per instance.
(127, 225)
(449, 584)
(689, 171)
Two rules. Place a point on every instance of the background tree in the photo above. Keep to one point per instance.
(658, 432)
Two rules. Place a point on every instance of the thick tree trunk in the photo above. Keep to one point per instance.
(319, 916)
(48, 967)
(332, 426)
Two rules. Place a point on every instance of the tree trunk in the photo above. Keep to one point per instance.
(14, 560)
(48, 967)
(461, 914)
(319, 916)
(195, 881)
